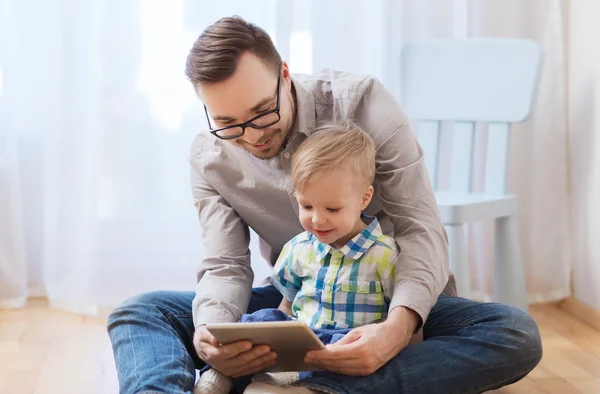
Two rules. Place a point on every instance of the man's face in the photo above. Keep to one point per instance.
(251, 91)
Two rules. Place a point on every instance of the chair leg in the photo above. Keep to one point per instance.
(509, 277)
(459, 258)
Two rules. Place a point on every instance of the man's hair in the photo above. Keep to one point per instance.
(331, 147)
(216, 53)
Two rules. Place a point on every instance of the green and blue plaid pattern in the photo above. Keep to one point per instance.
(338, 288)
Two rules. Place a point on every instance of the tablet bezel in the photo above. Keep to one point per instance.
(291, 340)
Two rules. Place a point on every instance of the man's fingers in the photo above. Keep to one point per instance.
(332, 353)
(207, 351)
(352, 367)
(202, 334)
(249, 356)
(345, 359)
(352, 336)
(232, 350)
(258, 364)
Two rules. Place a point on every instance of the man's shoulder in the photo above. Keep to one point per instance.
(206, 147)
(329, 84)
(360, 98)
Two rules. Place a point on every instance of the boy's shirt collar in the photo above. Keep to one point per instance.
(354, 248)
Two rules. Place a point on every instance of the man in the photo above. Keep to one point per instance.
(258, 115)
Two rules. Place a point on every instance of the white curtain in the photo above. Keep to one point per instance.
(584, 144)
(96, 118)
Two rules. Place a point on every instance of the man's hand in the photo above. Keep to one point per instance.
(235, 359)
(366, 349)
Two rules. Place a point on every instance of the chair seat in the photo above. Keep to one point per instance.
(457, 208)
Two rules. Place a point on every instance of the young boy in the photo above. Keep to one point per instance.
(339, 273)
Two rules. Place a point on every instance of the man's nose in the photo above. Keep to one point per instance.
(253, 136)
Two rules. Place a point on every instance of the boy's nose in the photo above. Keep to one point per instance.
(318, 219)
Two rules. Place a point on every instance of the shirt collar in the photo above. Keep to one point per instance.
(357, 246)
(306, 118)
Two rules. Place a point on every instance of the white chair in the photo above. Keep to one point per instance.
(491, 81)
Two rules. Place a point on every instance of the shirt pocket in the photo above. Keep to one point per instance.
(363, 301)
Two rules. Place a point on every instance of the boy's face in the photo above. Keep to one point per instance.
(331, 204)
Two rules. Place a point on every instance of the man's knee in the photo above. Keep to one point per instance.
(136, 309)
(522, 335)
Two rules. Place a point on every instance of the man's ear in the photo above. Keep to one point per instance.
(367, 197)
(285, 69)
(286, 74)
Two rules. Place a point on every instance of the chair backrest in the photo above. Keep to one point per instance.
(469, 81)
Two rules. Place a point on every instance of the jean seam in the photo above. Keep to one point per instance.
(168, 315)
(506, 377)
(478, 371)
(446, 327)
(151, 392)
(318, 387)
(135, 365)
(185, 363)
(327, 389)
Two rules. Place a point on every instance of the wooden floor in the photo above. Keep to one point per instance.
(44, 351)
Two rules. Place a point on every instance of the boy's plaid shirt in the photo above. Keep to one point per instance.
(338, 288)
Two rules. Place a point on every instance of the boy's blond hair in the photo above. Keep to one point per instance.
(331, 147)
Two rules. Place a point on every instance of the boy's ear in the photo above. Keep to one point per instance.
(367, 196)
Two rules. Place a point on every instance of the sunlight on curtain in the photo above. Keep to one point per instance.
(96, 93)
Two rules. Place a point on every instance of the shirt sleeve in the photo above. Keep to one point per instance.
(422, 266)
(387, 272)
(284, 278)
(224, 276)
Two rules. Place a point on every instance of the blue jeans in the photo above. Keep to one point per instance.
(469, 347)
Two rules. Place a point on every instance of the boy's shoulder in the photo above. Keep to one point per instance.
(303, 237)
(385, 245)
(301, 241)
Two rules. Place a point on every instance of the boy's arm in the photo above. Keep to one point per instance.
(286, 307)
(284, 277)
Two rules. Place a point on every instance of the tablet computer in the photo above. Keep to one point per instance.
(291, 340)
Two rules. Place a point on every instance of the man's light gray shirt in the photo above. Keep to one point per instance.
(232, 190)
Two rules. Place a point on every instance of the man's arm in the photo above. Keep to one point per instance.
(224, 281)
(224, 275)
(422, 266)
(408, 200)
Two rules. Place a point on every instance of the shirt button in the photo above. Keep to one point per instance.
(327, 288)
(334, 260)
(363, 287)
(286, 155)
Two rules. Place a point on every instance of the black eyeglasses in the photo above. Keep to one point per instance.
(261, 121)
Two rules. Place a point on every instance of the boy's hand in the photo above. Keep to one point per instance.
(234, 359)
(366, 349)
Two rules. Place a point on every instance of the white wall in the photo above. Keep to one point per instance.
(584, 131)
